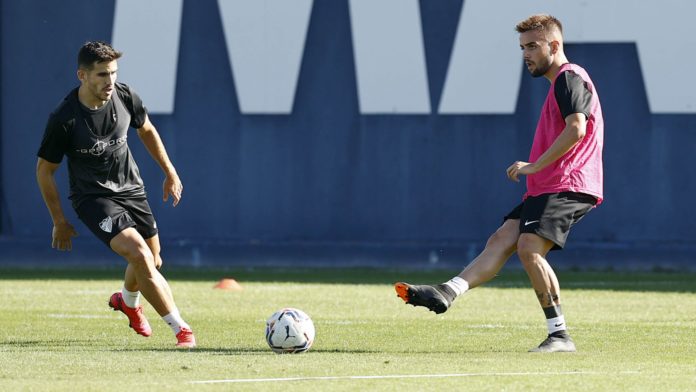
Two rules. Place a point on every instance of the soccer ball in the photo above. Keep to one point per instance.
(289, 330)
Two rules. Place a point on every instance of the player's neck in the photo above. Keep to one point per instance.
(89, 100)
(558, 62)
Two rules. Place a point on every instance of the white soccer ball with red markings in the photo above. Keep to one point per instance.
(289, 330)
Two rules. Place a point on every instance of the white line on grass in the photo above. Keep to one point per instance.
(329, 378)
(77, 316)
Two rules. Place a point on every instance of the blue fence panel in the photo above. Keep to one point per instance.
(326, 173)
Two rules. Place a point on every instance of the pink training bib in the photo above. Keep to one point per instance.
(580, 169)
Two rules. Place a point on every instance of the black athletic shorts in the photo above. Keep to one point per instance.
(552, 215)
(108, 216)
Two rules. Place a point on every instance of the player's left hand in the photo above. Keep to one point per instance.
(519, 167)
(172, 186)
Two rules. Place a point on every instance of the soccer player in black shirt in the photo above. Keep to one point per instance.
(90, 127)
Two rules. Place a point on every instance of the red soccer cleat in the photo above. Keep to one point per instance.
(136, 318)
(185, 338)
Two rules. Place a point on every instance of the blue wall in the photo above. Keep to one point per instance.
(326, 173)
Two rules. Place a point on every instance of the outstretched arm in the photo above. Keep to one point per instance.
(63, 231)
(574, 131)
(152, 141)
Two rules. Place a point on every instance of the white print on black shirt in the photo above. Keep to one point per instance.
(100, 146)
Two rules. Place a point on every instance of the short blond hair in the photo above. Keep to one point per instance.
(542, 22)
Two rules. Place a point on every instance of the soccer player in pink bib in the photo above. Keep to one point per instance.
(564, 182)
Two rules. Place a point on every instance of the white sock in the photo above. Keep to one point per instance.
(458, 285)
(175, 321)
(556, 324)
(131, 298)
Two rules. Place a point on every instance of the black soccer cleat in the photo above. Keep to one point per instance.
(436, 298)
(557, 342)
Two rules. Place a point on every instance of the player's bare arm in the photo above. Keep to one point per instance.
(573, 132)
(63, 231)
(152, 141)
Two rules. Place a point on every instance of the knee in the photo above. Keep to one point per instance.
(140, 258)
(528, 252)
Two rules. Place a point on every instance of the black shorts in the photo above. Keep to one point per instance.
(552, 215)
(108, 216)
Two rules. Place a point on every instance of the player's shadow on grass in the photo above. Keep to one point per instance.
(205, 350)
(51, 343)
(89, 345)
(246, 351)
(657, 281)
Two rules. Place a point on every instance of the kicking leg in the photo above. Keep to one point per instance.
(500, 246)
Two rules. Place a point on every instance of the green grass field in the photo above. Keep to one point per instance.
(634, 331)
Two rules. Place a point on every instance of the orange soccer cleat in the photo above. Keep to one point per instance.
(436, 298)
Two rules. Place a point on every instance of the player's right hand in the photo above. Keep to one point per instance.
(62, 236)
(172, 186)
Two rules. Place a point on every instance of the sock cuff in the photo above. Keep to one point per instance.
(174, 320)
(556, 324)
(458, 285)
(131, 298)
(553, 311)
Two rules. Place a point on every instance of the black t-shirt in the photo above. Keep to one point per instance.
(95, 142)
(100, 121)
(573, 94)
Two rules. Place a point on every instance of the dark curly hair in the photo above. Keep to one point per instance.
(96, 52)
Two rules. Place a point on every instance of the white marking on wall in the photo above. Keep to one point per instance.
(265, 42)
(389, 57)
(485, 66)
(147, 32)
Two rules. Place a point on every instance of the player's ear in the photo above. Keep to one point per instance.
(81, 74)
(555, 46)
